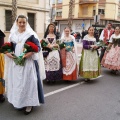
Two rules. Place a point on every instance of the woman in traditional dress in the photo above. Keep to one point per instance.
(111, 59)
(70, 71)
(52, 61)
(90, 63)
(24, 82)
(2, 82)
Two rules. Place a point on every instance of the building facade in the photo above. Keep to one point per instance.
(36, 10)
(84, 12)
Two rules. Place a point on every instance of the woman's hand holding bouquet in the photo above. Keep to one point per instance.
(28, 50)
(7, 49)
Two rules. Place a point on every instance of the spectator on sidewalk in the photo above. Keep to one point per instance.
(105, 37)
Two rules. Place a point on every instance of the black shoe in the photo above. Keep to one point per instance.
(112, 71)
(47, 81)
(87, 80)
(20, 109)
(28, 110)
(53, 81)
(2, 98)
(116, 72)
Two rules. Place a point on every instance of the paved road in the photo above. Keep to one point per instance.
(97, 100)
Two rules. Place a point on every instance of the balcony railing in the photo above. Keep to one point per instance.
(88, 1)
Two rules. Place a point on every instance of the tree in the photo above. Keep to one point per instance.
(70, 19)
(14, 10)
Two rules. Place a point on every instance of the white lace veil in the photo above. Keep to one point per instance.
(28, 28)
(39, 55)
(63, 34)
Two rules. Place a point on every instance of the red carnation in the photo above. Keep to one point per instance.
(33, 46)
(7, 44)
(6, 47)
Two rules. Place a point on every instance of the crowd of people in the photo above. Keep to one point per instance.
(56, 59)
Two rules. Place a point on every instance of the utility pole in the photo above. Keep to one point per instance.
(14, 10)
(70, 18)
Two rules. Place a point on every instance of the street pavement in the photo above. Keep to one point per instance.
(97, 100)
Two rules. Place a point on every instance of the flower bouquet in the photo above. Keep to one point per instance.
(43, 43)
(7, 48)
(62, 45)
(69, 46)
(28, 47)
(101, 44)
(45, 49)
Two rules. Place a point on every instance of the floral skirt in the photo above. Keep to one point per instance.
(72, 76)
(89, 73)
(2, 82)
(111, 59)
(70, 70)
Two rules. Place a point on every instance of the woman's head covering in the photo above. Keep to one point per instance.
(28, 28)
(63, 33)
(47, 30)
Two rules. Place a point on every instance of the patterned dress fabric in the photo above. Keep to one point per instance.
(89, 64)
(53, 63)
(70, 70)
(111, 59)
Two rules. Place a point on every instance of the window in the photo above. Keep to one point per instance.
(94, 12)
(31, 20)
(101, 11)
(118, 12)
(53, 1)
(59, 1)
(8, 19)
(85, 10)
(59, 14)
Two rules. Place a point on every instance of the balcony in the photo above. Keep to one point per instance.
(88, 2)
(58, 18)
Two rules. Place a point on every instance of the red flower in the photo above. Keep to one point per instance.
(33, 46)
(6, 47)
(7, 44)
